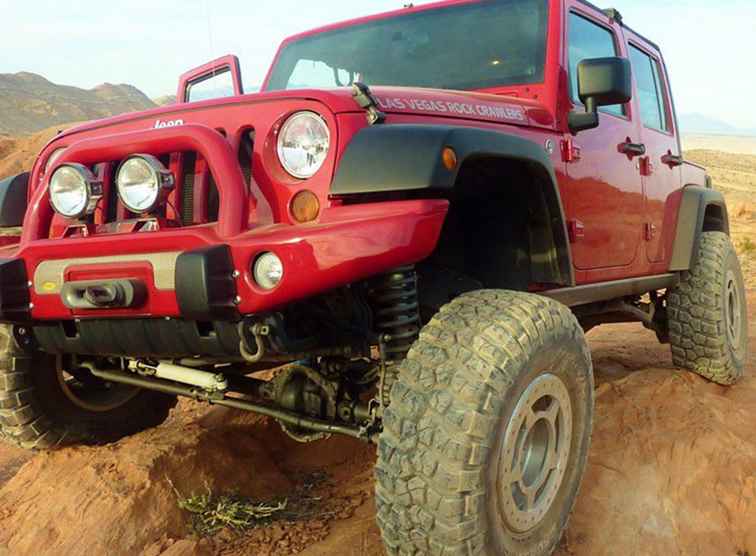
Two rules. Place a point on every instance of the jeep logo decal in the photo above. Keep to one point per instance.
(159, 124)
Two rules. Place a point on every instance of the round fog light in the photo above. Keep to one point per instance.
(268, 271)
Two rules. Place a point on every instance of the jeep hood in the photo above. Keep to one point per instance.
(507, 109)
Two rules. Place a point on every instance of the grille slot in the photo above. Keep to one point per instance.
(246, 148)
(187, 189)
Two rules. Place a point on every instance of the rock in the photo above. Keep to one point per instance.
(120, 499)
(672, 468)
(188, 547)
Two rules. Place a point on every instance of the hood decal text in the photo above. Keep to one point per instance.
(496, 111)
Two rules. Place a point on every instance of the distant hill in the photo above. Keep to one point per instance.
(165, 100)
(698, 123)
(17, 154)
(30, 103)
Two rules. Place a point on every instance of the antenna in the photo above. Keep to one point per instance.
(209, 29)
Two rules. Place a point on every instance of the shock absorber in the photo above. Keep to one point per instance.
(396, 311)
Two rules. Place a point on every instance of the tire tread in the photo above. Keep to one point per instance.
(444, 407)
(696, 318)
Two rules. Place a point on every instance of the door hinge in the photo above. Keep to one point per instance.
(650, 231)
(576, 230)
(646, 166)
(570, 151)
(366, 100)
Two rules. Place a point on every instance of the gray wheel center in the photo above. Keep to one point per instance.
(535, 453)
(733, 314)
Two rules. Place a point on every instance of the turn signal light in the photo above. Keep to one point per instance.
(305, 206)
(449, 158)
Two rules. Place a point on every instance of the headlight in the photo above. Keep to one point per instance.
(143, 183)
(74, 190)
(303, 144)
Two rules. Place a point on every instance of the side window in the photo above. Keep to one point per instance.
(589, 40)
(653, 107)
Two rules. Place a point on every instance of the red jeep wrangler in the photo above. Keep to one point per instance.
(414, 221)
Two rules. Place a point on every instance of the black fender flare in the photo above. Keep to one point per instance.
(13, 200)
(691, 222)
(408, 157)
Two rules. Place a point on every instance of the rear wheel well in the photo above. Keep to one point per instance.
(504, 230)
(715, 219)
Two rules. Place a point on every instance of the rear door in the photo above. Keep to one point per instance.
(660, 167)
(603, 193)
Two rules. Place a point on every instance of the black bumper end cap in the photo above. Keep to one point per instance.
(205, 284)
(15, 301)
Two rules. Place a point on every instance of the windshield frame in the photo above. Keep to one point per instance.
(539, 84)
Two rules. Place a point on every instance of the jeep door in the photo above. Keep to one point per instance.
(603, 193)
(660, 167)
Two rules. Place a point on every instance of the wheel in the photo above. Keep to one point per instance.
(708, 317)
(45, 403)
(486, 438)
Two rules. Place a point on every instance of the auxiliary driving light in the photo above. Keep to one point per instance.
(143, 183)
(268, 271)
(74, 190)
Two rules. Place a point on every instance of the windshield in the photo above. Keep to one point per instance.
(475, 46)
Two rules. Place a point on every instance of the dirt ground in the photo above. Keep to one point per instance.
(672, 471)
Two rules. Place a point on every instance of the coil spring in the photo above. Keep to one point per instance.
(396, 311)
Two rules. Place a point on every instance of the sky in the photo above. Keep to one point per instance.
(709, 45)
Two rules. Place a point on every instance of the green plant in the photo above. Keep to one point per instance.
(747, 247)
(210, 513)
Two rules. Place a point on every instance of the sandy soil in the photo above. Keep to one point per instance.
(735, 176)
(672, 470)
(17, 154)
(726, 143)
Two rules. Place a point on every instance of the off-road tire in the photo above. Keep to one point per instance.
(439, 453)
(35, 413)
(701, 310)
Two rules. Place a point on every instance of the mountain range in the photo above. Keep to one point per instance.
(698, 123)
(30, 103)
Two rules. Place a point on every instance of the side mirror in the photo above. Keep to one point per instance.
(601, 82)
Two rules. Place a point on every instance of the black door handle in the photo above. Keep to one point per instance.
(672, 160)
(632, 149)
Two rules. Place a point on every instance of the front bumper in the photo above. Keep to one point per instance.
(197, 274)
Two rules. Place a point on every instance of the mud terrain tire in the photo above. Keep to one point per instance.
(36, 413)
(455, 433)
(708, 318)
